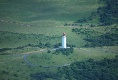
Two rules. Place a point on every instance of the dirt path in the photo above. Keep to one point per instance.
(43, 66)
(20, 56)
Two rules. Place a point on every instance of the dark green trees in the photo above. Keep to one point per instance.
(108, 13)
(66, 51)
(91, 70)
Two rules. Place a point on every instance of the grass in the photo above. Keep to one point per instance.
(49, 59)
(34, 21)
(46, 17)
(8, 39)
(58, 10)
(15, 67)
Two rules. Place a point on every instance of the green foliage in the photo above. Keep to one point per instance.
(84, 20)
(49, 51)
(95, 38)
(66, 51)
(84, 31)
(105, 69)
(107, 39)
(25, 40)
(43, 76)
(91, 70)
(57, 45)
(34, 10)
(38, 23)
(108, 13)
(4, 49)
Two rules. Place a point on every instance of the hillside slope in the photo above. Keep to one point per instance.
(46, 11)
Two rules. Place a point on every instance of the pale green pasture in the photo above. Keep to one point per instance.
(15, 67)
(46, 17)
(64, 10)
(42, 17)
(80, 54)
(12, 40)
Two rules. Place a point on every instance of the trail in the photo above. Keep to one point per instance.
(25, 56)
(19, 55)
(31, 64)
(43, 66)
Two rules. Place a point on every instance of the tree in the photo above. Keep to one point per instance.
(48, 51)
(108, 13)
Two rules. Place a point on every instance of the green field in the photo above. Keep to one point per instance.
(49, 59)
(59, 10)
(15, 66)
(31, 28)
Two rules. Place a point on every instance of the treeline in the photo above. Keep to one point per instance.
(84, 31)
(4, 49)
(109, 12)
(106, 69)
(86, 19)
(32, 39)
(95, 38)
(40, 45)
(107, 39)
(106, 15)
(43, 76)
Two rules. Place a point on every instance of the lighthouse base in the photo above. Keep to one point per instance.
(63, 48)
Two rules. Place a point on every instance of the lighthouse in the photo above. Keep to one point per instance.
(64, 40)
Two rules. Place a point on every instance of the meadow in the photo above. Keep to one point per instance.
(22, 65)
(31, 28)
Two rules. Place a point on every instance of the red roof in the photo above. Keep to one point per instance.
(64, 34)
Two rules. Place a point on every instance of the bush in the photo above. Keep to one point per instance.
(66, 51)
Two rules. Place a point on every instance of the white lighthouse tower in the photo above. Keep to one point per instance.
(64, 40)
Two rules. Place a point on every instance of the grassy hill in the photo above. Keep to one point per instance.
(42, 17)
(50, 11)
(31, 28)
